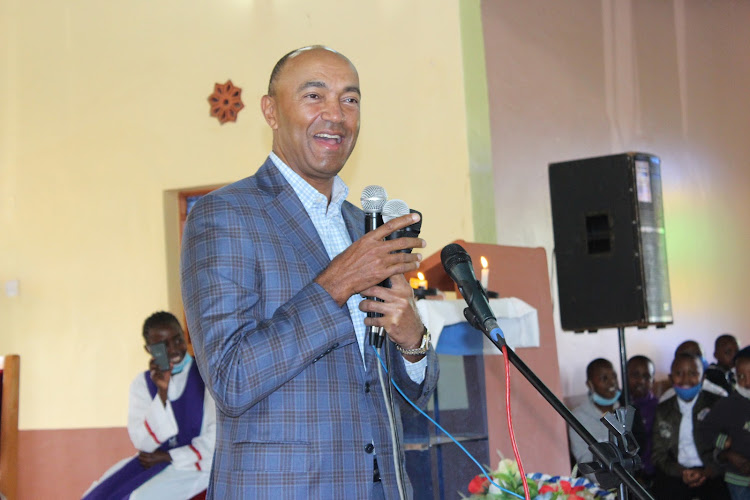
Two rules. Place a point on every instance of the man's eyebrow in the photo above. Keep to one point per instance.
(322, 85)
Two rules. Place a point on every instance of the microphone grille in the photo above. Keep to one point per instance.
(373, 198)
(453, 254)
(394, 209)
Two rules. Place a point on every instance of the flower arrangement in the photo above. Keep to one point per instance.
(541, 486)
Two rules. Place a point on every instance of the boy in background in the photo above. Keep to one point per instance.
(685, 469)
(727, 429)
(720, 373)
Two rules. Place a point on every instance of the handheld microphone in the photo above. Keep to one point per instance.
(394, 209)
(373, 199)
(457, 264)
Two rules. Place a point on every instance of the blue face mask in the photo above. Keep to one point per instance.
(688, 393)
(182, 364)
(600, 401)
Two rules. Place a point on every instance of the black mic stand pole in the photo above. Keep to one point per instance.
(609, 455)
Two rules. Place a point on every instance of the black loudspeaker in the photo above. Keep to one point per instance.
(610, 250)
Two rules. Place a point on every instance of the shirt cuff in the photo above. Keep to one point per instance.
(186, 458)
(416, 370)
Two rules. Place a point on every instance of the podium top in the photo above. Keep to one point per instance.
(451, 334)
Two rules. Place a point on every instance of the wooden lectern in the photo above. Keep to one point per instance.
(540, 432)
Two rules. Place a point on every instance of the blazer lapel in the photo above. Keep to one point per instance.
(292, 219)
(355, 221)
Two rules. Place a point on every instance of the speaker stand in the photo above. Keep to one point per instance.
(623, 363)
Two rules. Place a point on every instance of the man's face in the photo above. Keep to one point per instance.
(686, 372)
(172, 337)
(604, 381)
(640, 378)
(742, 367)
(314, 114)
(725, 352)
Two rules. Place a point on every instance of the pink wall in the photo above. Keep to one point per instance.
(594, 77)
(63, 463)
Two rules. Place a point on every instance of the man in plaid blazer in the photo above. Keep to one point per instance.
(273, 271)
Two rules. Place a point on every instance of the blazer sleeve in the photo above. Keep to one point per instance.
(419, 393)
(243, 355)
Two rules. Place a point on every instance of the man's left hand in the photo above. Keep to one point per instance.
(399, 309)
(150, 459)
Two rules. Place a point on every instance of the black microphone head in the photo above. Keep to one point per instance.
(373, 198)
(453, 254)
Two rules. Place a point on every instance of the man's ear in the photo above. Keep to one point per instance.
(268, 108)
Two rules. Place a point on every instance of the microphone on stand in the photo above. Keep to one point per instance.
(373, 199)
(457, 264)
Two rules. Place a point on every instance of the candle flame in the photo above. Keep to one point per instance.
(420, 276)
(485, 264)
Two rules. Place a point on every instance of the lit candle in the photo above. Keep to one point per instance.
(418, 282)
(485, 276)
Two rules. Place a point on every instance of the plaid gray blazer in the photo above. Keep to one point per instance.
(296, 408)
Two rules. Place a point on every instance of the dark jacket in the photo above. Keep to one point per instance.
(667, 433)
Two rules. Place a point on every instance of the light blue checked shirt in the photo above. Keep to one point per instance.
(331, 228)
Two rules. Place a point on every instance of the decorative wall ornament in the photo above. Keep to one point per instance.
(226, 102)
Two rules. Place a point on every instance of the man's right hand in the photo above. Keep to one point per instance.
(161, 379)
(370, 260)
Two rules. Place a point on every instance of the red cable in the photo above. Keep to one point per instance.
(510, 424)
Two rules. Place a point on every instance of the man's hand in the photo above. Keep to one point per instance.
(160, 379)
(738, 461)
(399, 309)
(148, 460)
(693, 477)
(370, 260)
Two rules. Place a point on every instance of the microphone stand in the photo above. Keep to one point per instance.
(613, 459)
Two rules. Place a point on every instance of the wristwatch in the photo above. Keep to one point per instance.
(422, 349)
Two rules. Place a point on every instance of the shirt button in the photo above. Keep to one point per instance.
(369, 447)
(367, 386)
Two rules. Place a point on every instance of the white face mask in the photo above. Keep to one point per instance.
(743, 391)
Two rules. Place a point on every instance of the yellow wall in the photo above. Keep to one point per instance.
(103, 108)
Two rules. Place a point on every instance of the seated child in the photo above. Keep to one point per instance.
(720, 373)
(683, 470)
(171, 421)
(727, 428)
(641, 371)
(604, 396)
(692, 347)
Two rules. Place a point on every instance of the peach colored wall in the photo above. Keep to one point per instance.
(62, 463)
(594, 77)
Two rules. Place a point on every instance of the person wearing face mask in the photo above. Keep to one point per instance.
(171, 422)
(727, 430)
(693, 348)
(603, 397)
(685, 467)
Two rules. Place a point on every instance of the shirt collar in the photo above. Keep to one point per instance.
(311, 198)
